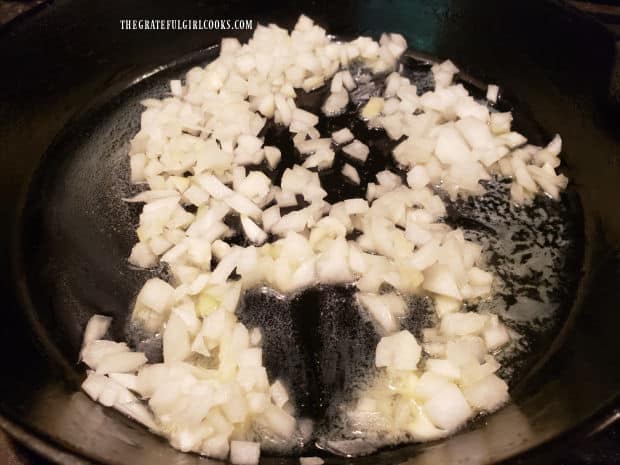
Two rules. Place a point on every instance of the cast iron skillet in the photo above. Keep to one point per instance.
(69, 69)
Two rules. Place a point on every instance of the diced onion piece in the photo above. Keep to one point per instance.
(272, 155)
(466, 351)
(347, 80)
(121, 362)
(379, 309)
(399, 351)
(129, 405)
(443, 368)
(440, 280)
(278, 421)
(321, 159)
(279, 394)
(495, 334)
(418, 177)
(448, 409)
(283, 109)
(271, 216)
(142, 256)
(252, 231)
(96, 328)
(500, 122)
(243, 205)
(156, 294)
(94, 352)
(428, 385)
(332, 265)
(309, 119)
(126, 380)
(336, 84)
(335, 103)
(422, 429)
(251, 357)
(196, 196)
(351, 173)
(462, 324)
(176, 340)
(392, 83)
(357, 150)
(216, 446)
(373, 107)
(214, 186)
(492, 93)
(476, 133)
(355, 206)
(424, 258)
(451, 148)
(257, 402)
(94, 384)
(488, 394)
(286, 199)
(443, 73)
(311, 461)
(522, 175)
(513, 139)
(342, 136)
(244, 452)
(555, 146)
(175, 87)
(295, 221)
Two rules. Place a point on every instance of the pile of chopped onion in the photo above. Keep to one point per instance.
(455, 141)
(212, 394)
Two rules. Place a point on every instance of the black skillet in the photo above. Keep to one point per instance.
(70, 84)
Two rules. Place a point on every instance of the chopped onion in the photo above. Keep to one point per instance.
(278, 421)
(495, 333)
(399, 351)
(121, 362)
(347, 80)
(448, 409)
(418, 177)
(271, 216)
(382, 309)
(351, 173)
(94, 384)
(244, 452)
(200, 147)
(279, 394)
(176, 340)
(273, 155)
(492, 93)
(487, 394)
(252, 231)
(216, 446)
(373, 107)
(342, 136)
(462, 324)
(335, 103)
(311, 461)
(156, 294)
(440, 280)
(96, 328)
(500, 122)
(357, 150)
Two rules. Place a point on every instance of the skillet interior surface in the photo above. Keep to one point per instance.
(74, 234)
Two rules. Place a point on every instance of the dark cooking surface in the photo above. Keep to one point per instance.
(604, 448)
